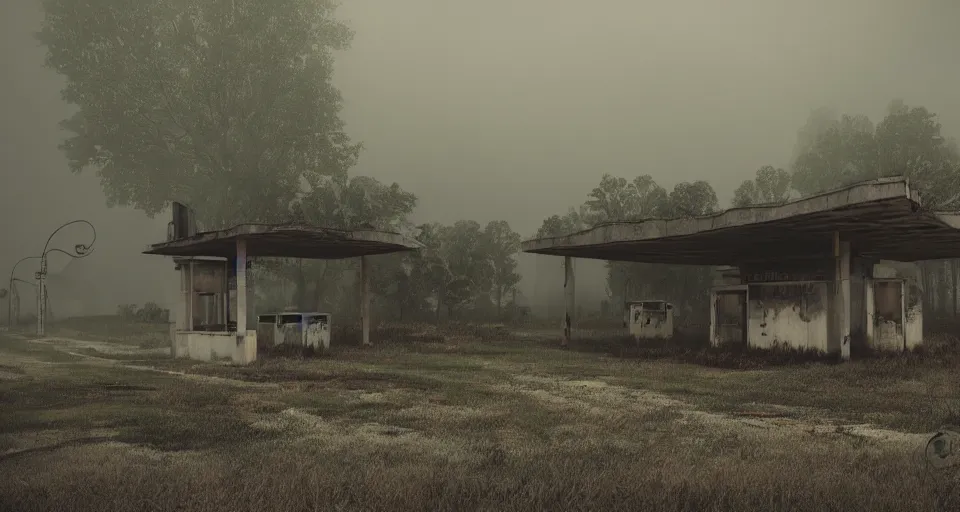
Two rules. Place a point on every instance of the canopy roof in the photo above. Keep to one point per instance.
(287, 241)
(882, 219)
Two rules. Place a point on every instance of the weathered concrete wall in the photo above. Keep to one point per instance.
(215, 346)
(726, 276)
(793, 315)
(318, 333)
(291, 332)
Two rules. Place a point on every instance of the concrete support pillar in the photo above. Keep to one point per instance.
(365, 299)
(870, 311)
(251, 280)
(225, 296)
(241, 289)
(183, 299)
(842, 297)
(188, 293)
(569, 302)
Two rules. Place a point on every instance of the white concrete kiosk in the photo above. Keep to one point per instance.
(211, 318)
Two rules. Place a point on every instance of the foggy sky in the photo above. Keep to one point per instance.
(513, 109)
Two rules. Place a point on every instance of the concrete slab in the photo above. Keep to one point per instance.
(882, 219)
(287, 241)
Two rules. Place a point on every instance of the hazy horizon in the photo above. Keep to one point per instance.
(514, 110)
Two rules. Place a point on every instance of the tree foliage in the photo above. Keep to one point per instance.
(691, 200)
(347, 203)
(467, 269)
(907, 142)
(503, 245)
(617, 199)
(561, 225)
(226, 105)
(771, 186)
(833, 152)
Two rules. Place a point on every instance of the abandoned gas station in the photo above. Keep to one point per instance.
(821, 273)
(211, 314)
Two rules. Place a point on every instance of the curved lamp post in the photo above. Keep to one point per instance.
(80, 251)
(13, 279)
(10, 288)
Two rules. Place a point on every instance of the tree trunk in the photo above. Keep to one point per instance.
(499, 303)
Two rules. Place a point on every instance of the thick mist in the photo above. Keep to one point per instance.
(513, 110)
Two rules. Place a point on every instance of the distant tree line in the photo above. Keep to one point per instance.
(831, 151)
(229, 107)
(466, 271)
(617, 199)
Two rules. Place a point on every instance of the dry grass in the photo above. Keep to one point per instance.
(112, 328)
(467, 426)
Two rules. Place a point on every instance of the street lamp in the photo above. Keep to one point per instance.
(12, 279)
(80, 250)
(10, 301)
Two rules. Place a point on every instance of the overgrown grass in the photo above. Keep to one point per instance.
(468, 425)
(695, 350)
(115, 329)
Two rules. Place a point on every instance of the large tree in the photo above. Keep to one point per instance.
(691, 200)
(771, 186)
(907, 142)
(617, 199)
(226, 105)
(561, 225)
(429, 266)
(467, 255)
(843, 152)
(347, 203)
(503, 245)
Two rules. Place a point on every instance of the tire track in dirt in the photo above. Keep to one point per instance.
(594, 394)
(52, 341)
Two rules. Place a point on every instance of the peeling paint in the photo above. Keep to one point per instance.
(289, 332)
(307, 329)
(318, 332)
(649, 320)
(887, 335)
(792, 315)
(913, 330)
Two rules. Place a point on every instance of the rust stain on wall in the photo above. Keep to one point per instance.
(789, 314)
